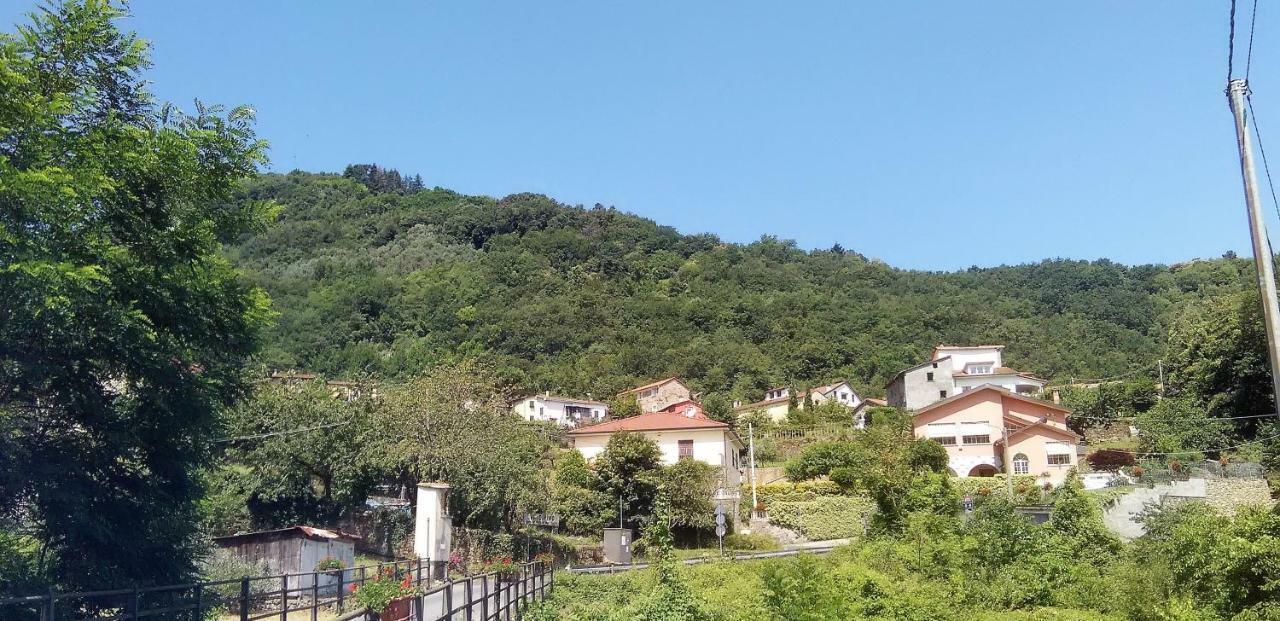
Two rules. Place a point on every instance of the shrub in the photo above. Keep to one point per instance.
(378, 593)
(329, 563)
(753, 541)
(1110, 460)
(827, 517)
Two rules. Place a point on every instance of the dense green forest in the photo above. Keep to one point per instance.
(373, 274)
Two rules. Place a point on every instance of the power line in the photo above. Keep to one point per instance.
(1262, 150)
(1171, 420)
(281, 433)
(1202, 450)
(1231, 42)
(1248, 60)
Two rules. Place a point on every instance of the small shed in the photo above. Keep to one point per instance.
(295, 550)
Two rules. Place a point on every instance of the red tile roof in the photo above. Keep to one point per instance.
(651, 421)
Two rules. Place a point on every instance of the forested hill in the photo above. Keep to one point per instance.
(372, 274)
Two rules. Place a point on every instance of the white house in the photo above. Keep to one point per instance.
(562, 411)
(683, 434)
(777, 401)
(952, 370)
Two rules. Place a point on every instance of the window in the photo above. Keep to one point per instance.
(530, 406)
(1058, 453)
(942, 394)
(1021, 465)
(942, 433)
(965, 388)
(928, 377)
(649, 393)
(975, 432)
(686, 449)
(978, 368)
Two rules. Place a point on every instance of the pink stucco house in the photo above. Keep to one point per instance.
(974, 426)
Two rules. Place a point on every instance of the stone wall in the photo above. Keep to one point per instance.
(1227, 495)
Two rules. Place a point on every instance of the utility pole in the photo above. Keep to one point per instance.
(1237, 91)
(1160, 365)
(751, 453)
(1008, 464)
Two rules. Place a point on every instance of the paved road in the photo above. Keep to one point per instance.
(436, 603)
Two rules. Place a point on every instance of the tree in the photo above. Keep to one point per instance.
(295, 478)
(1076, 518)
(452, 425)
(123, 330)
(623, 406)
(1217, 355)
(718, 407)
(628, 471)
(1181, 424)
(690, 485)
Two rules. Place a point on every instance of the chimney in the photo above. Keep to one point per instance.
(1057, 397)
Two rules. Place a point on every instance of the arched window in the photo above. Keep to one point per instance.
(1021, 465)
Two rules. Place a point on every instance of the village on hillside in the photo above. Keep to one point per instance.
(860, 327)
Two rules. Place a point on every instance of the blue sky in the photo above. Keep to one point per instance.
(932, 135)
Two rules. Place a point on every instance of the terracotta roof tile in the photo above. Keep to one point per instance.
(651, 421)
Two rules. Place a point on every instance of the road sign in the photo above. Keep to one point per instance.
(720, 519)
(968, 503)
(720, 531)
(719, 509)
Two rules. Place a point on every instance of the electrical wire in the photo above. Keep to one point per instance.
(1231, 42)
(1248, 60)
(1262, 150)
(1172, 420)
(281, 433)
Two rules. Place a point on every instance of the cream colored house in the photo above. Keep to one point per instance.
(975, 425)
(683, 434)
(777, 401)
(658, 395)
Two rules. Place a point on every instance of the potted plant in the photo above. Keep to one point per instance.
(386, 595)
(330, 565)
(504, 568)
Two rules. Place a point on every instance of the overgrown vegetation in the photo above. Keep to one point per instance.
(1194, 564)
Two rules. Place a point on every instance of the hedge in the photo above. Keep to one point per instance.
(826, 517)
(785, 491)
(1028, 488)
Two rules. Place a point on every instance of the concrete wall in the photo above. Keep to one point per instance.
(962, 357)
(913, 390)
(1014, 383)
(987, 410)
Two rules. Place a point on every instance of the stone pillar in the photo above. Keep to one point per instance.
(433, 529)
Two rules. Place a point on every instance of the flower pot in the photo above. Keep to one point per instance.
(398, 610)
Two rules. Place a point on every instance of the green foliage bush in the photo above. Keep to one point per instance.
(753, 541)
(1028, 488)
(825, 517)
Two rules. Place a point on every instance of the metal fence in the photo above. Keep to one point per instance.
(486, 597)
(314, 594)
